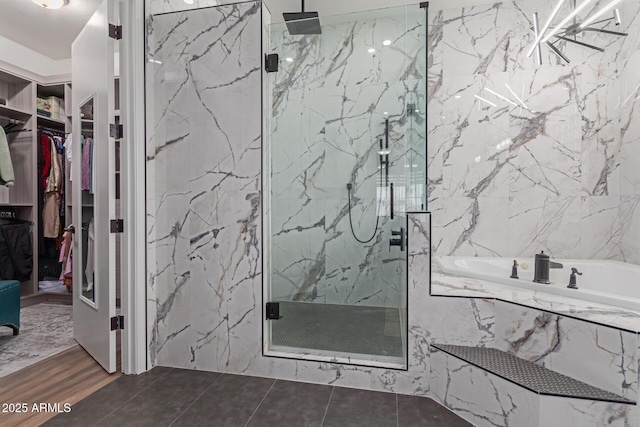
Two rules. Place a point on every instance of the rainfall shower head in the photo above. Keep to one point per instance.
(302, 23)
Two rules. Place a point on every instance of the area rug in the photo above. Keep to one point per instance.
(45, 330)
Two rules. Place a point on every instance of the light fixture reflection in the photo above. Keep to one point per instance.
(289, 59)
(386, 42)
(50, 4)
(371, 50)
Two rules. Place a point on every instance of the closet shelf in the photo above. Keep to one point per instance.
(14, 113)
(49, 121)
(15, 205)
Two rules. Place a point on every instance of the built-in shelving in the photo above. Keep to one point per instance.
(14, 113)
(49, 121)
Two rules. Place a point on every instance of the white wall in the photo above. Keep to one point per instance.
(31, 64)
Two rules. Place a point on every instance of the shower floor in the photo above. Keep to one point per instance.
(339, 328)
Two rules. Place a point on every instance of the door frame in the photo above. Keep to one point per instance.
(135, 358)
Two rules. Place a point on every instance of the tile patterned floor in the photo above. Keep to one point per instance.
(178, 397)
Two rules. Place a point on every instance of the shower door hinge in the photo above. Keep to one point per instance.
(273, 311)
(424, 4)
(115, 31)
(117, 226)
(271, 62)
(117, 322)
(116, 131)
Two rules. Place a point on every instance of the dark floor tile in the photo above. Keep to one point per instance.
(163, 401)
(351, 407)
(108, 399)
(293, 404)
(417, 411)
(230, 401)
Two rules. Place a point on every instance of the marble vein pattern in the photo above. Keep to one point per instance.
(524, 158)
(597, 355)
(479, 397)
(330, 99)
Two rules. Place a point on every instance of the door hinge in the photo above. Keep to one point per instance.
(115, 31)
(117, 322)
(424, 5)
(116, 131)
(271, 62)
(117, 226)
(273, 311)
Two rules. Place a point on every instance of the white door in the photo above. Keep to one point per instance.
(94, 302)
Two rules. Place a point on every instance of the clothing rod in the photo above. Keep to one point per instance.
(12, 121)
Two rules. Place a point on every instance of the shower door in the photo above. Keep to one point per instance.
(338, 186)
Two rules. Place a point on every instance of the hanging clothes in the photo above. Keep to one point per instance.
(89, 268)
(7, 176)
(16, 254)
(51, 210)
(68, 147)
(66, 258)
(45, 148)
(86, 163)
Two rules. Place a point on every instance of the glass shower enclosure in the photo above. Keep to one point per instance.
(344, 161)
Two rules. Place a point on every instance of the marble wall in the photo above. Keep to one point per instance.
(551, 166)
(330, 98)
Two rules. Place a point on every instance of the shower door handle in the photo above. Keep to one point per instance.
(391, 215)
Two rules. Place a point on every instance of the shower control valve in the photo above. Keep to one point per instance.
(398, 241)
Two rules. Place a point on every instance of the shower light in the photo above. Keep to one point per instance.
(50, 4)
(289, 59)
(371, 50)
(386, 42)
(457, 97)
(188, 1)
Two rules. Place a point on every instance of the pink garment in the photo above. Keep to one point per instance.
(67, 267)
(86, 164)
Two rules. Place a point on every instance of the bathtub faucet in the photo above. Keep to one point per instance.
(572, 279)
(542, 265)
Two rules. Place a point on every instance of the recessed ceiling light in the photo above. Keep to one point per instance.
(386, 42)
(50, 4)
(457, 97)
(371, 50)
(289, 59)
(188, 1)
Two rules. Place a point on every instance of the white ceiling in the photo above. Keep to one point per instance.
(49, 32)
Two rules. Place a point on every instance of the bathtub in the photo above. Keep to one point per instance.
(605, 282)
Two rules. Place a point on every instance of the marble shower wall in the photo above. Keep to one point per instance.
(550, 167)
(329, 98)
(204, 179)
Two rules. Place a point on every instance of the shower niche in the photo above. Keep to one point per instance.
(344, 161)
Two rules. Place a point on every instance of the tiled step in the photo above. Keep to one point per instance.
(528, 375)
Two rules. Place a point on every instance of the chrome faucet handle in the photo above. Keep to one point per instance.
(575, 271)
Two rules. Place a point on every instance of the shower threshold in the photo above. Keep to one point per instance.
(331, 332)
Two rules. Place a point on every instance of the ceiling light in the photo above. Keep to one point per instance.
(565, 20)
(386, 42)
(188, 1)
(599, 14)
(546, 26)
(371, 50)
(289, 59)
(457, 97)
(50, 4)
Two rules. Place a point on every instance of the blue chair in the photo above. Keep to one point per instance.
(10, 304)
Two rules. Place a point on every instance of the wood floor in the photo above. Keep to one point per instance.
(67, 377)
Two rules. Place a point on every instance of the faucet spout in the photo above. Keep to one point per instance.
(555, 265)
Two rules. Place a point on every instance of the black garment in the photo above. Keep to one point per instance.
(16, 253)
